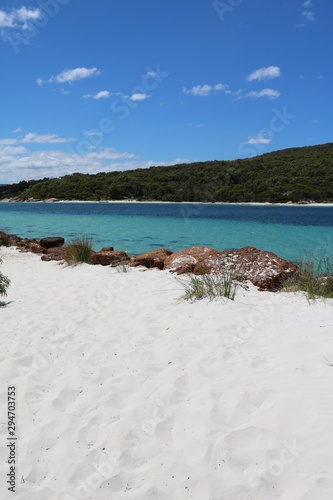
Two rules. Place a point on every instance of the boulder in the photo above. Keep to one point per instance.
(51, 242)
(110, 258)
(185, 261)
(30, 245)
(55, 253)
(153, 258)
(265, 270)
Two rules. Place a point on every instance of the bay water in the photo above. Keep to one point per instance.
(292, 232)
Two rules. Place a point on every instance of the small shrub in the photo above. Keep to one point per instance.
(315, 278)
(4, 283)
(5, 239)
(122, 267)
(211, 286)
(78, 251)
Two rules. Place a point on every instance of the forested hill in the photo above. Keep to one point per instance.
(288, 175)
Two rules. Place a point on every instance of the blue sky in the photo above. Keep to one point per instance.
(103, 85)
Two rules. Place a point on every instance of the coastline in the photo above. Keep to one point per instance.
(297, 204)
(123, 385)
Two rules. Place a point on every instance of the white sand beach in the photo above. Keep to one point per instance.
(126, 391)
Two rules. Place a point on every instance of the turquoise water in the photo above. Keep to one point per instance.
(288, 231)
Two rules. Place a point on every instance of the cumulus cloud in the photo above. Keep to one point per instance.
(44, 139)
(17, 25)
(18, 18)
(308, 15)
(17, 163)
(204, 90)
(5, 142)
(264, 73)
(70, 75)
(137, 97)
(103, 94)
(258, 139)
(270, 93)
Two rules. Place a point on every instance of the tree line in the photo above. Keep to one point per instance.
(296, 174)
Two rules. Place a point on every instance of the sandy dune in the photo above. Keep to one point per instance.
(125, 391)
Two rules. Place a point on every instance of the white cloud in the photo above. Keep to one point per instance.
(265, 73)
(103, 94)
(8, 141)
(270, 93)
(12, 150)
(25, 14)
(44, 139)
(308, 15)
(139, 97)
(18, 18)
(204, 90)
(20, 163)
(70, 75)
(307, 3)
(258, 139)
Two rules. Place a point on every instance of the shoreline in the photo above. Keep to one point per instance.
(266, 204)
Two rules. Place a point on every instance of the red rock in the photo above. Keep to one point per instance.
(110, 258)
(55, 253)
(153, 258)
(264, 269)
(51, 242)
(185, 261)
(30, 245)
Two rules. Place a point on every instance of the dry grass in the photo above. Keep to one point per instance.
(78, 251)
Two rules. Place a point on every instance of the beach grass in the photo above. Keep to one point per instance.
(123, 267)
(78, 251)
(4, 283)
(5, 239)
(314, 278)
(210, 286)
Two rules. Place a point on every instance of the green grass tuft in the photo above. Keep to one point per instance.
(210, 286)
(314, 277)
(78, 251)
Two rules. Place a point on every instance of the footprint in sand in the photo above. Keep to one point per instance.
(65, 399)
(180, 390)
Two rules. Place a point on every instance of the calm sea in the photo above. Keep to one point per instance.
(289, 231)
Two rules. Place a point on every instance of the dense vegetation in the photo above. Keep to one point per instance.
(289, 175)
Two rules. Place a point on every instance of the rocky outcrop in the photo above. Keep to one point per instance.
(110, 257)
(153, 258)
(264, 269)
(50, 248)
(51, 242)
